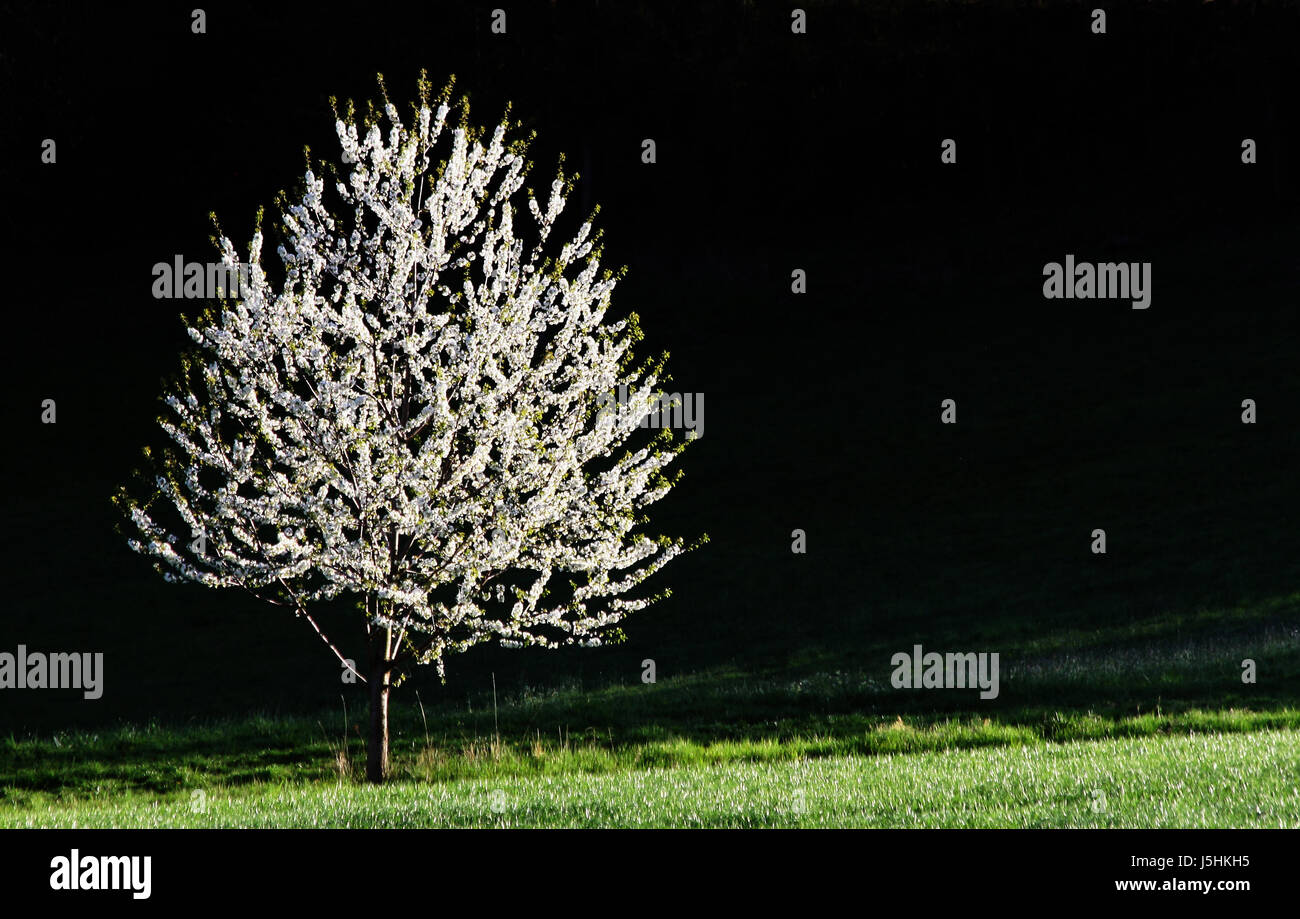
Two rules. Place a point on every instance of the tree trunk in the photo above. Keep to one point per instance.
(377, 747)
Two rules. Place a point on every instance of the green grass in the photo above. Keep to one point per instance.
(1191, 780)
(1084, 706)
(64, 768)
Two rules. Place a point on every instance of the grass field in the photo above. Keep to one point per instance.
(729, 749)
(1186, 779)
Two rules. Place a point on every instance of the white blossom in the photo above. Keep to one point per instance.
(404, 408)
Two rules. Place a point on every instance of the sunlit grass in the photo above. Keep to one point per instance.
(1221, 780)
(1099, 691)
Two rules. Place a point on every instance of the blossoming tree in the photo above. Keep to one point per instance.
(411, 411)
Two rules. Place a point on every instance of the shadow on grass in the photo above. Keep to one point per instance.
(1143, 680)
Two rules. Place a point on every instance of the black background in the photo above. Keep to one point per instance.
(775, 151)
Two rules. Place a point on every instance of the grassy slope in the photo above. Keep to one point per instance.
(1178, 781)
(735, 729)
